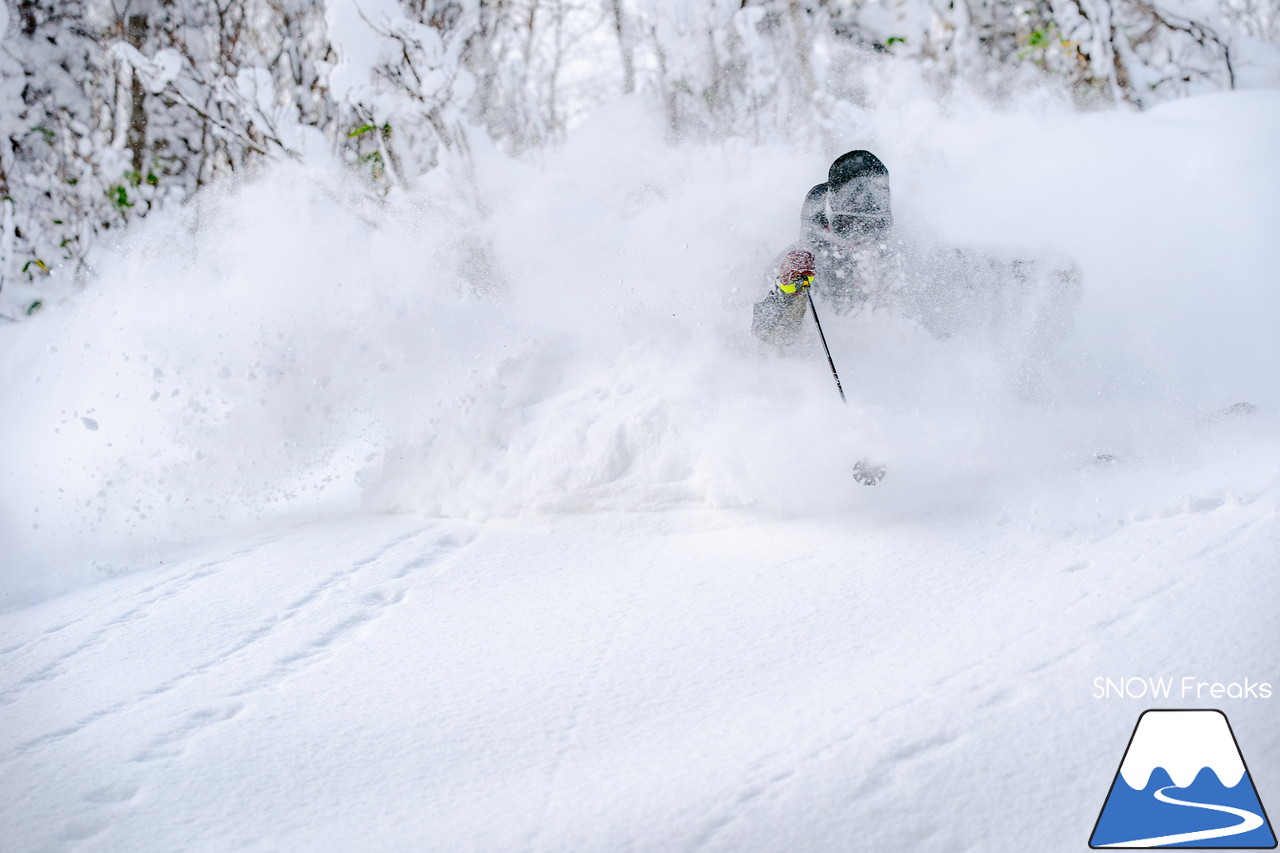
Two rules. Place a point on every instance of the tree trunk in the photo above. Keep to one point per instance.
(803, 46)
(6, 228)
(27, 14)
(136, 35)
(624, 45)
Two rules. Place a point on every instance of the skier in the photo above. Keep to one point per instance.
(843, 243)
(845, 224)
(848, 253)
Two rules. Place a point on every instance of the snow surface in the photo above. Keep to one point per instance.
(330, 525)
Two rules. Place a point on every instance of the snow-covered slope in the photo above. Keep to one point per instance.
(660, 682)
(403, 543)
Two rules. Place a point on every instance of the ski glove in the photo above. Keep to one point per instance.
(796, 271)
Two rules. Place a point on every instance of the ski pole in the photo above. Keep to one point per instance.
(830, 361)
(864, 471)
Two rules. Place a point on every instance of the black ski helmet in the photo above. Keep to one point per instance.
(855, 164)
(858, 193)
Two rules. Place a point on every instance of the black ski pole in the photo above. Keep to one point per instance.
(864, 471)
(830, 361)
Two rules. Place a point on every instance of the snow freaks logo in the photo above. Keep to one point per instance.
(1187, 687)
(1183, 783)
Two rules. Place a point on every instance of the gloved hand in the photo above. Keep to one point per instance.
(796, 283)
(796, 271)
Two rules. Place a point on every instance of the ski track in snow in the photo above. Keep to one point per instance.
(585, 695)
(168, 588)
(220, 683)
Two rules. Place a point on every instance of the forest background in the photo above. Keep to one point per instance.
(113, 110)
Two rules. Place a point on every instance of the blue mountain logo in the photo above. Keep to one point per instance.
(1183, 783)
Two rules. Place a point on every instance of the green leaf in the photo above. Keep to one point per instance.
(34, 307)
(892, 40)
(364, 128)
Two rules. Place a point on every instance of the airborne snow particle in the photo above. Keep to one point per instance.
(89, 424)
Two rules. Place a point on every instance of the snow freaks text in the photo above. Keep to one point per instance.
(1186, 687)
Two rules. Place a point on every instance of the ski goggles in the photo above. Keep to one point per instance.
(796, 283)
(853, 223)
